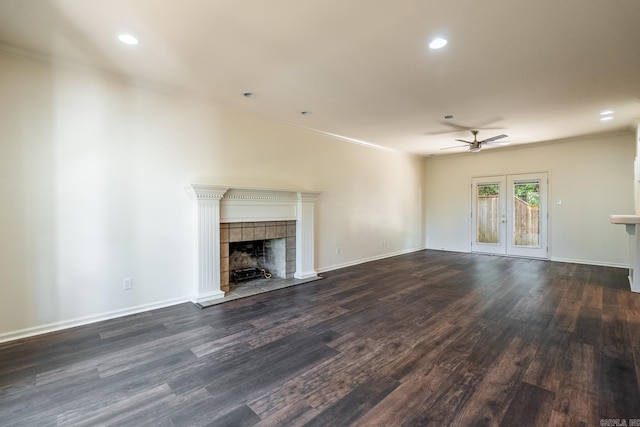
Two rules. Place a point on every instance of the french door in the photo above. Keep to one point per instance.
(509, 215)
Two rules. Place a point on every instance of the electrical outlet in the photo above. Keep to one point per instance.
(127, 284)
(337, 250)
(383, 243)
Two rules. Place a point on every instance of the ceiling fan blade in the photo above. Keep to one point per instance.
(497, 143)
(462, 140)
(456, 146)
(494, 138)
(456, 127)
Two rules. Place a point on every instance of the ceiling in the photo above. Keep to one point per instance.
(362, 69)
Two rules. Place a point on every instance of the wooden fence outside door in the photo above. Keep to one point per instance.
(525, 222)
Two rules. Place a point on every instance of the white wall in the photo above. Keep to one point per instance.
(593, 177)
(636, 175)
(91, 182)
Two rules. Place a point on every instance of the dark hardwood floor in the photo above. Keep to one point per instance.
(429, 338)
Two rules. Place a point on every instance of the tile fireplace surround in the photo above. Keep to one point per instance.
(217, 204)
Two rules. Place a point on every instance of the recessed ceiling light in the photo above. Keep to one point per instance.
(605, 118)
(448, 116)
(606, 113)
(305, 113)
(128, 39)
(438, 43)
(249, 95)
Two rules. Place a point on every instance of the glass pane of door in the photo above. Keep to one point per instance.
(488, 213)
(526, 214)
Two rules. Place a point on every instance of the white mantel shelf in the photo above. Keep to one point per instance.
(224, 203)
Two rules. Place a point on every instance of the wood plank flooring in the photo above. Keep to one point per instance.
(428, 338)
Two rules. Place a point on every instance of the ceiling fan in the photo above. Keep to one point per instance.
(475, 145)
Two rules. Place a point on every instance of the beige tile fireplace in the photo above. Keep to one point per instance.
(226, 213)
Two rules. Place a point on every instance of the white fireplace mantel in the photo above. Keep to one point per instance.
(217, 203)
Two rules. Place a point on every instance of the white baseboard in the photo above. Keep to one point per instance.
(369, 259)
(198, 299)
(458, 250)
(306, 275)
(554, 259)
(581, 261)
(65, 324)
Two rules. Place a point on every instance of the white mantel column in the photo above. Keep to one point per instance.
(208, 241)
(305, 257)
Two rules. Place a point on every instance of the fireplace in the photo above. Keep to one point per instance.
(222, 213)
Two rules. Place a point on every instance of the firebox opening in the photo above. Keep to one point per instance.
(257, 259)
(246, 260)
